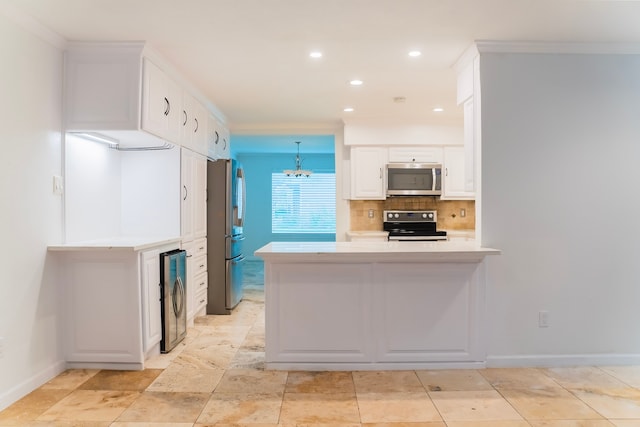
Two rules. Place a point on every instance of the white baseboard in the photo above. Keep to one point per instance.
(15, 393)
(561, 360)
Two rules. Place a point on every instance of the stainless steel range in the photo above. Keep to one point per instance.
(412, 226)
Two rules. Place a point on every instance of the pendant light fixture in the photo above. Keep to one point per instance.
(298, 171)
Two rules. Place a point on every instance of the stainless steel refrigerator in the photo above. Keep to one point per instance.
(226, 200)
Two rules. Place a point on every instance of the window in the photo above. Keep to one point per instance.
(303, 204)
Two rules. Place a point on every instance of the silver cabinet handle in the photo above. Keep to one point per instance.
(195, 119)
(185, 192)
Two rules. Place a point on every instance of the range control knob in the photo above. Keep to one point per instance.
(390, 215)
(424, 215)
(396, 215)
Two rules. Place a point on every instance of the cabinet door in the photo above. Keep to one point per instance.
(415, 154)
(161, 103)
(367, 173)
(213, 138)
(187, 195)
(224, 148)
(454, 174)
(151, 317)
(199, 197)
(194, 124)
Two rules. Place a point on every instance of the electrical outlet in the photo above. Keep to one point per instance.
(543, 319)
(370, 213)
(463, 213)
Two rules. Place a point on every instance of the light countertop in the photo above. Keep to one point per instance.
(375, 251)
(132, 244)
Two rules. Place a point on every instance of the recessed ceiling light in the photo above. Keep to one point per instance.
(356, 82)
(348, 109)
(438, 110)
(415, 53)
(315, 54)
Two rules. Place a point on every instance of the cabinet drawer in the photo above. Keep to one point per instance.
(200, 283)
(201, 300)
(199, 247)
(199, 265)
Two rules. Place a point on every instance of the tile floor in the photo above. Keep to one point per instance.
(216, 377)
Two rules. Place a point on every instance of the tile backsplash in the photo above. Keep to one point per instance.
(449, 217)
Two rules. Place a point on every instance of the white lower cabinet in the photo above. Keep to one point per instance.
(151, 299)
(196, 277)
(111, 303)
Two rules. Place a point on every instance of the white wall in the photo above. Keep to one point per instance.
(560, 177)
(31, 215)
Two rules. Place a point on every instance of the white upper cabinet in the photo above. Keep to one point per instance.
(468, 95)
(194, 124)
(161, 103)
(454, 175)
(217, 140)
(120, 89)
(415, 154)
(367, 173)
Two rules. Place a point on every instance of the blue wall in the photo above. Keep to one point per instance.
(258, 169)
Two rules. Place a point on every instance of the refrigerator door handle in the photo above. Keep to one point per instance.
(240, 210)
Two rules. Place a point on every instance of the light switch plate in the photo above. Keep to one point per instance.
(58, 185)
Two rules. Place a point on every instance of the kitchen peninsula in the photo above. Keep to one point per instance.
(374, 305)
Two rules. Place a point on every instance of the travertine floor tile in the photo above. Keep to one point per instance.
(518, 378)
(507, 423)
(151, 424)
(628, 374)
(625, 423)
(427, 424)
(386, 381)
(570, 423)
(473, 406)
(90, 405)
(220, 335)
(239, 408)
(319, 408)
(59, 424)
(320, 382)
(549, 404)
(584, 377)
(166, 407)
(252, 381)
(407, 407)
(121, 380)
(187, 378)
(248, 360)
(618, 404)
(33, 405)
(70, 379)
(453, 380)
(217, 356)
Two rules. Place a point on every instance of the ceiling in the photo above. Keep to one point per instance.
(251, 57)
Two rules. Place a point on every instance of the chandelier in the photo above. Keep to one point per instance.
(298, 170)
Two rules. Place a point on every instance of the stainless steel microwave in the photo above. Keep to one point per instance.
(414, 179)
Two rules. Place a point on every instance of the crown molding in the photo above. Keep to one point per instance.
(489, 46)
(30, 24)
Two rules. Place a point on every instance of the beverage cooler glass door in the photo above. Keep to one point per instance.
(174, 298)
